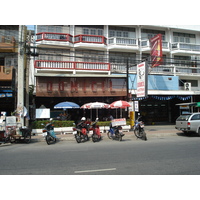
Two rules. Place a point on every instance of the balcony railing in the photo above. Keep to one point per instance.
(90, 39)
(185, 46)
(69, 65)
(146, 43)
(54, 36)
(7, 44)
(6, 73)
(122, 41)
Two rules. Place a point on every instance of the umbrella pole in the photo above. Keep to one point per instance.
(121, 112)
(116, 112)
(91, 114)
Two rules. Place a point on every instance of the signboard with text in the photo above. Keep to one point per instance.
(142, 79)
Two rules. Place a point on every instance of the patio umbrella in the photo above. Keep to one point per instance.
(66, 104)
(95, 105)
(119, 104)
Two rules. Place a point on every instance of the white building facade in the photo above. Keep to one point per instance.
(85, 63)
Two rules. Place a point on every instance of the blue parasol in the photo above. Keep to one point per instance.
(66, 104)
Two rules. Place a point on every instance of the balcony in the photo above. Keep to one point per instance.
(6, 73)
(121, 42)
(71, 67)
(7, 44)
(146, 44)
(54, 38)
(185, 47)
(90, 39)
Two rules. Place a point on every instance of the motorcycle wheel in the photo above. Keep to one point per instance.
(86, 137)
(144, 136)
(119, 137)
(78, 138)
(109, 135)
(12, 139)
(48, 139)
(27, 138)
(137, 133)
(94, 138)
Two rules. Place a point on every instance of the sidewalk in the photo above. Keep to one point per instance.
(151, 131)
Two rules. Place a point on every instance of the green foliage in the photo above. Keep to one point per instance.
(57, 124)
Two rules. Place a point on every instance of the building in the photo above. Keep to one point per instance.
(86, 63)
(8, 66)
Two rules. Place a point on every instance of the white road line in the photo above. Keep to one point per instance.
(95, 170)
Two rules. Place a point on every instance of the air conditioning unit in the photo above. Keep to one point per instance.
(187, 86)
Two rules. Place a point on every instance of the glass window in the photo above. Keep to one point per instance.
(119, 34)
(111, 33)
(93, 32)
(86, 31)
(125, 34)
(196, 117)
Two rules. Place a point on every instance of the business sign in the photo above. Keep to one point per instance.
(42, 113)
(156, 50)
(119, 122)
(142, 80)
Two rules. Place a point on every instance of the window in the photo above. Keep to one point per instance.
(183, 37)
(194, 83)
(196, 117)
(93, 32)
(86, 31)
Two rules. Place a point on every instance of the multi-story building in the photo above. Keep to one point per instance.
(87, 63)
(8, 66)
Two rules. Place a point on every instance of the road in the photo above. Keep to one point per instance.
(171, 155)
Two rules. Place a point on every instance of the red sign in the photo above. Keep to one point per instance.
(156, 50)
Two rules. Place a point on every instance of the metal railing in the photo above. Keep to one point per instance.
(70, 65)
(54, 36)
(122, 41)
(185, 46)
(90, 39)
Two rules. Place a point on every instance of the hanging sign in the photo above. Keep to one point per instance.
(142, 79)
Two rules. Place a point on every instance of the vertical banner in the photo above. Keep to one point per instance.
(142, 81)
(156, 50)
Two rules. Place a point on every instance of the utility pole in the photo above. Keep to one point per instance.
(20, 75)
(28, 53)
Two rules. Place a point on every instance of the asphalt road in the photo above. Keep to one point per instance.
(171, 155)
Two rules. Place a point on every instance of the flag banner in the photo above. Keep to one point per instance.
(156, 50)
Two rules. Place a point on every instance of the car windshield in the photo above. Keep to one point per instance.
(183, 118)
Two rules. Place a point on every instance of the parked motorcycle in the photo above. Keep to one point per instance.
(115, 133)
(50, 136)
(96, 135)
(80, 131)
(139, 129)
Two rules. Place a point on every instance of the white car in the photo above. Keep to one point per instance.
(189, 123)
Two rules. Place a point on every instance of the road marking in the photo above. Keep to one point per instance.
(95, 170)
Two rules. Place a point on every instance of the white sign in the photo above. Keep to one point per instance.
(119, 122)
(136, 106)
(42, 113)
(141, 80)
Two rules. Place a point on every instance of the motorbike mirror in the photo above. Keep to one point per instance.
(97, 119)
(51, 119)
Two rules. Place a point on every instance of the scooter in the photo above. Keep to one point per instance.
(80, 133)
(96, 135)
(50, 136)
(139, 129)
(115, 133)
